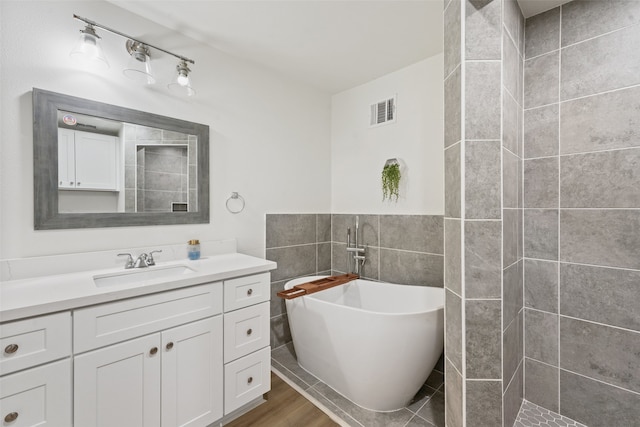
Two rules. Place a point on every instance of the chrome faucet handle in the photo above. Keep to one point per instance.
(130, 262)
(150, 260)
(141, 262)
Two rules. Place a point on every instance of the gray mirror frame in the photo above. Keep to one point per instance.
(45, 163)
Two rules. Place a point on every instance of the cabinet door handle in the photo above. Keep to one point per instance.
(249, 380)
(153, 350)
(249, 331)
(169, 346)
(70, 182)
(249, 292)
(78, 183)
(11, 348)
(11, 417)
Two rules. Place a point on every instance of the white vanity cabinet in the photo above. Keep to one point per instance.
(35, 371)
(247, 354)
(170, 377)
(87, 161)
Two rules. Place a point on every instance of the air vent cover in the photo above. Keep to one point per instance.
(383, 112)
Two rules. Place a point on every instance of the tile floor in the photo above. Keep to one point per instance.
(531, 415)
(425, 410)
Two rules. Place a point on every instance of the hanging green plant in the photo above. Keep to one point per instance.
(391, 180)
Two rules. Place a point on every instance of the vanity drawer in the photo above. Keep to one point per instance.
(37, 397)
(30, 342)
(246, 379)
(246, 291)
(246, 331)
(109, 323)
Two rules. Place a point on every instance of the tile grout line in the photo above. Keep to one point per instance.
(559, 192)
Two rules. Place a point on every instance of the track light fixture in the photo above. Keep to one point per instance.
(139, 65)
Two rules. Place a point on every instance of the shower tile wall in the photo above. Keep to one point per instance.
(483, 211)
(582, 221)
(403, 249)
(160, 168)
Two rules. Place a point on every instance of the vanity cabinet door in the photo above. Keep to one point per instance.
(66, 159)
(192, 374)
(119, 385)
(96, 161)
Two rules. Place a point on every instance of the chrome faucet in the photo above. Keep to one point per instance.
(359, 257)
(143, 260)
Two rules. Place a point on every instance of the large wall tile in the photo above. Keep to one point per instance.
(597, 404)
(452, 36)
(604, 295)
(511, 293)
(371, 268)
(290, 229)
(511, 177)
(280, 332)
(541, 233)
(452, 182)
(512, 349)
(511, 68)
(584, 19)
(541, 384)
(512, 228)
(541, 285)
(541, 80)
(277, 304)
(368, 228)
(541, 336)
(420, 233)
(453, 395)
(339, 258)
(453, 108)
(483, 339)
(294, 261)
(608, 179)
(482, 259)
(453, 332)
(600, 352)
(452, 255)
(482, 180)
(601, 237)
(511, 128)
(513, 20)
(600, 64)
(323, 228)
(543, 33)
(541, 183)
(411, 268)
(601, 122)
(541, 137)
(483, 25)
(482, 96)
(323, 257)
(484, 402)
(512, 399)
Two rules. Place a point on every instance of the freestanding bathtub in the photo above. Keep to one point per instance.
(374, 343)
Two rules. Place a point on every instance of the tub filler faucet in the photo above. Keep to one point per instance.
(357, 251)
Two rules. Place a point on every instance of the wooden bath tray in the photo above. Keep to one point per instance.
(316, 286)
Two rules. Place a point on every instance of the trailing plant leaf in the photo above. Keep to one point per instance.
(391, 181)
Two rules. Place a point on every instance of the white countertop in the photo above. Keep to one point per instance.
(41, 295)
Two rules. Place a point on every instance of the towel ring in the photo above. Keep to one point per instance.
(235, 196)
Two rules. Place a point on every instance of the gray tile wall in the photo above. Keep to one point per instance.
(483, 210)
(402, 249)
(582, 220)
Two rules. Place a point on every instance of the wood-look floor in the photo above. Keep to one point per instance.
(284, 407)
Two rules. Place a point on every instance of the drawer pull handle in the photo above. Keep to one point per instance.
(11, 417)
(153, 350)
(249, 331)
(249, 380)
(10, 349)
(249, 292)
(169, 346)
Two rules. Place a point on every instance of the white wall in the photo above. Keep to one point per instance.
(269, 136)
(359, 152)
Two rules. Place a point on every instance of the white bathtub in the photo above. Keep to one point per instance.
(374, 343)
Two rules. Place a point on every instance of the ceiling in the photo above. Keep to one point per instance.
(331, 44)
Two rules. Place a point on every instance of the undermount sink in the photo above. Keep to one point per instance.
(141, 275)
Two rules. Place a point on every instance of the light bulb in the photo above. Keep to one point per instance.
(183, 79)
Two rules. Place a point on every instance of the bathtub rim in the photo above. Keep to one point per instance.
(380, 313)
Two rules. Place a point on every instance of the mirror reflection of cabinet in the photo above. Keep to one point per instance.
(87, 161)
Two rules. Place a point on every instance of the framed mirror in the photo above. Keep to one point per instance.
(99, 165)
